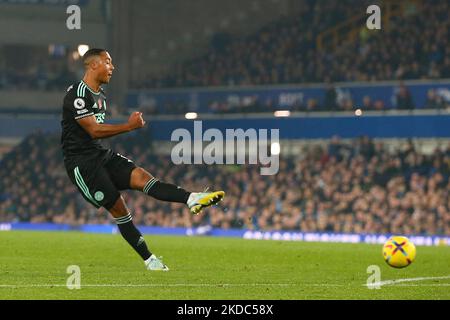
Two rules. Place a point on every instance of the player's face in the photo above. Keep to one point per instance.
(105, 69)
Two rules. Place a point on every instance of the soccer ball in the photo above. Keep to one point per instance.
(399, 252)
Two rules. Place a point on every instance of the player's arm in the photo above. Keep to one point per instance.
(100, 130)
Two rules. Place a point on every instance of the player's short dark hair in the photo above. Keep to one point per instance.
(91, 53)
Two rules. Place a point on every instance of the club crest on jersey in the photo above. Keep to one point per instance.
(99, 196)
(79, 103)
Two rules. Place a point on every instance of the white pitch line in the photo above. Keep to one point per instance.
(175, 285)
(425, 285)
(151, 285)
(396, 281)
(118, 285)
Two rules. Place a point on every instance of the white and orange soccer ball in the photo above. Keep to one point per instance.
(399, 252)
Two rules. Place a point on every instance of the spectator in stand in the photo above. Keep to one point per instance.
(312, 105)
(367, 104)
(404, 99)
(330, 100)
(434, 101)
(379, 105)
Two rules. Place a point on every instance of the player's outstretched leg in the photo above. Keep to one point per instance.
(196, 201)
(132, 235)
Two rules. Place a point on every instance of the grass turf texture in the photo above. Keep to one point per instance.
(33, 266)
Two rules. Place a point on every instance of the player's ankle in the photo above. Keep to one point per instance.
(191, 197)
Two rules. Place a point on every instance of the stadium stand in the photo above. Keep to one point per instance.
(286, 51)
(415, 46)
(33, 67)
(358, 186)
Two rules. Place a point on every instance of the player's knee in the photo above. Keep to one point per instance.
(139, 177)
(119, 208)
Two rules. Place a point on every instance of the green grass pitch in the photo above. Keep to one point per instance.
(33, 265)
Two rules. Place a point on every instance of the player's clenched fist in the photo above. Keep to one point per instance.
(135, 120)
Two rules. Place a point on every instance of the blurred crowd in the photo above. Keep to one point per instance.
(40, 77)
(358, 186)
(414, 45)
(29, 67)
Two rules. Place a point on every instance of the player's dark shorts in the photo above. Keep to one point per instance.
(100, 183)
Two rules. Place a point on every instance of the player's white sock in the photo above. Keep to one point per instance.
(148, 260)
(191, 197)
